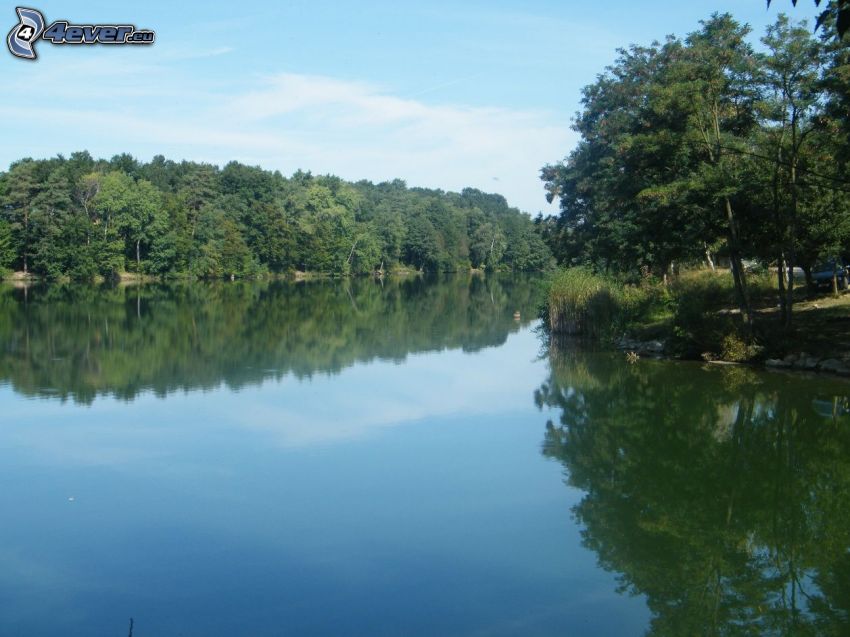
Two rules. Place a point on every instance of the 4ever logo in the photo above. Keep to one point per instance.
(31, 27)
(21, 39)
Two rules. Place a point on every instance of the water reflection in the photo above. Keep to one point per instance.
(78, 342)
(721, 495)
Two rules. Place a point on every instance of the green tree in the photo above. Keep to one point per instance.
(19, 188)
(7, 246)
(791, 72)
(836, 12)
(79, 216)
(487, 245)
(718, 91)
(132, 209)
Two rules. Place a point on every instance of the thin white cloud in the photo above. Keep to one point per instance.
(196, 55)
(290, 121)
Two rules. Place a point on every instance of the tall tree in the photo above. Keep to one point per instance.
(718, 91)
(20, 186)
(791, 71)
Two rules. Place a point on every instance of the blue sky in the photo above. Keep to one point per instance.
(441, 94)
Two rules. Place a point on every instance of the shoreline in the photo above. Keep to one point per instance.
(835, 366)
(694, 318)
(21, 279)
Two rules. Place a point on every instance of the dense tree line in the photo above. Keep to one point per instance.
(702, 146)
(79, 217)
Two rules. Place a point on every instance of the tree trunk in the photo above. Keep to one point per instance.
(138, 258)
(26, 238)
(810, 282)
(792, 247)
(708, 258)
(789, 291)
(780, 264)
(737, 269)
(780, 285)
(351, 254)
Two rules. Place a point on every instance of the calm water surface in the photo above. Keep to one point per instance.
(351, 458)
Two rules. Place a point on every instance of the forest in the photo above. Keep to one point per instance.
(708, 149)
(82, 218)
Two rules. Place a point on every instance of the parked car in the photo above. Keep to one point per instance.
(822, 273)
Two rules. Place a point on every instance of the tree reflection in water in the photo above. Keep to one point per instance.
(720, 494)
(82, 341)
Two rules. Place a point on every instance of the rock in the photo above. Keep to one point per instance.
(777, 362)
(806, 362)
(810, 362)
(790, 358)
(656, 347)
(835, 366)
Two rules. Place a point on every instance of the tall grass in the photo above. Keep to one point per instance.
(697, 310)
(583, 303)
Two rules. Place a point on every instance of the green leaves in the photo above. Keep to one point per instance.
(7, 246)
(702, 142)
(81, 216)
(838, 12)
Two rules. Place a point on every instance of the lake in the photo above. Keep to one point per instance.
(400, 458)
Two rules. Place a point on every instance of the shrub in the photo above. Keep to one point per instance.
(699, 325)
(736, 349)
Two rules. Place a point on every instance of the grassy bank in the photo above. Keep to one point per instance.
(582, 303)
(696, 315)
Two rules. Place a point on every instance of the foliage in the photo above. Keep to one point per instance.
(79, 217)
(735, 349)
(836, 10)
(701, 321)
(699, 148)
(7, 250)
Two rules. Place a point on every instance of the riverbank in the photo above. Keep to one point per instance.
(131, 278)
(695, 318)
